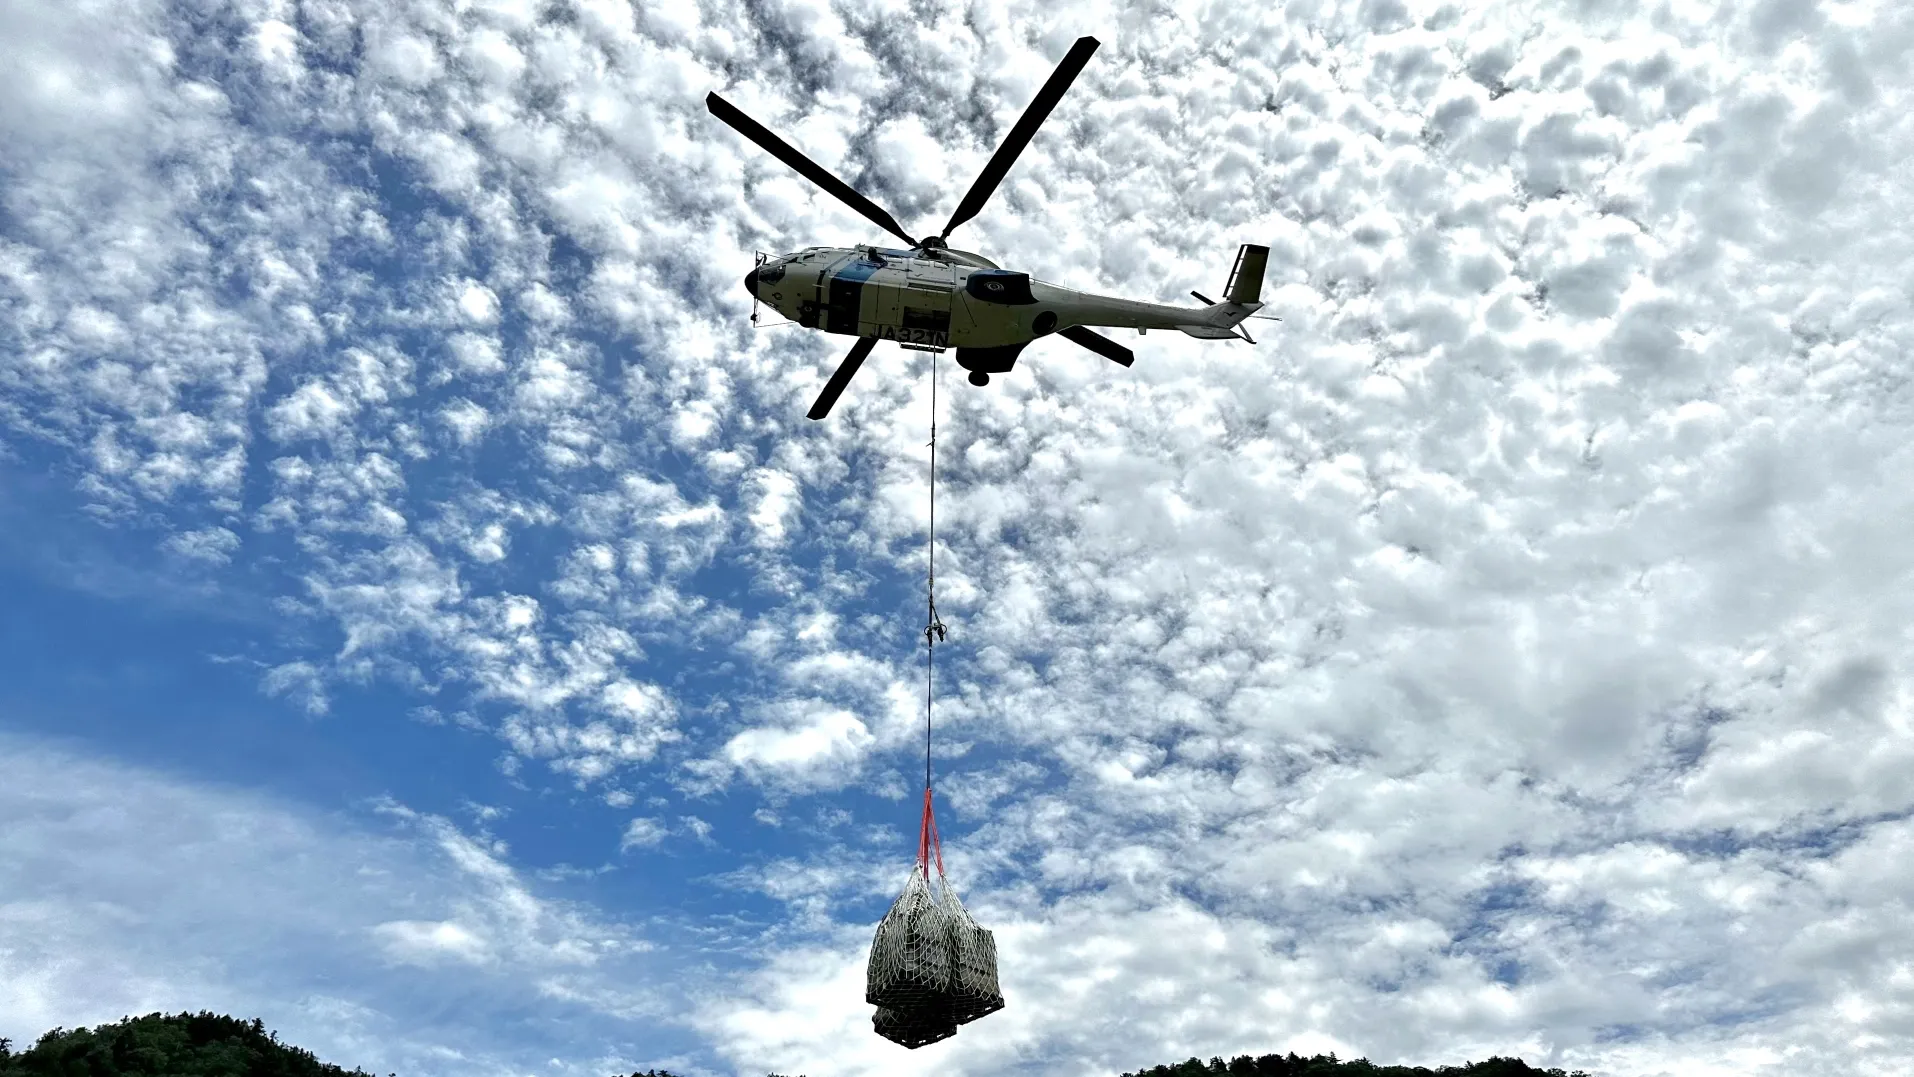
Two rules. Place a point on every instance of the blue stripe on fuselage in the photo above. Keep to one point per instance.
(857, 272)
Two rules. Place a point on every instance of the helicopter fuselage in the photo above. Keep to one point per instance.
(930, 300)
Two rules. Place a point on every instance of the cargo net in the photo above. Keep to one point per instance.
(932, 967)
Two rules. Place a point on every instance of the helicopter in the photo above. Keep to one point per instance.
(929, 296)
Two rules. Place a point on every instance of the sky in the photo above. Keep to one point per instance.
(430, 624)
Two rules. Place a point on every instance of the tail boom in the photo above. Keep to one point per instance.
(1214, 321)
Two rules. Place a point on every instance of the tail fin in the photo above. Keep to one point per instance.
(1246, 279)
(1242, 298)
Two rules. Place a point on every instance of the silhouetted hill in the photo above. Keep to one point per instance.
(209, 1045)
(1294, 1065)
(167, 1045)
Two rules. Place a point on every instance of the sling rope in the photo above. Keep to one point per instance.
(927, 840)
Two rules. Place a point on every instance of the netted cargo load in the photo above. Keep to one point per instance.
(932, 967)
(910, 960)
(974, 991)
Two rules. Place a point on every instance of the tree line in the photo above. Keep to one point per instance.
(212, 1045)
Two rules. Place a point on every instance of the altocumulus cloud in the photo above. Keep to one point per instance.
(1505, 654)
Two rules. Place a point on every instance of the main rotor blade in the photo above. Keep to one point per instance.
(806, 167)
(1020, 135)
(841, 377)
(1102, 345)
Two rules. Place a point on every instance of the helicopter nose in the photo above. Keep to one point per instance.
(751, 282)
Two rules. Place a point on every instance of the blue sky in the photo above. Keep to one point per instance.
(431, 626)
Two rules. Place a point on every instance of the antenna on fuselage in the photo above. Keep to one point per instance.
(755, 266)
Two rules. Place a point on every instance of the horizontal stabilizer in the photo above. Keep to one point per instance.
(1208, 332)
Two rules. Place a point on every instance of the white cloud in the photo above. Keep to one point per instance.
(405, 58)
(315, 409)
(643, 833)
(300, 681)
(422, 942)
(467, 420)
(476, 354)
(810, 741)
(477, 303)
(1501, 652)
(276, 45)
(214, 545)
(778, 503)
(494, 57)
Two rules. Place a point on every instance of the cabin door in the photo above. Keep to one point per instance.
(924, 319)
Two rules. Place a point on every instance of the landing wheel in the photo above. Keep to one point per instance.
(979, 378)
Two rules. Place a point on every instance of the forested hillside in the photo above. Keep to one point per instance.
(167, 1045)
(210, 1045)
